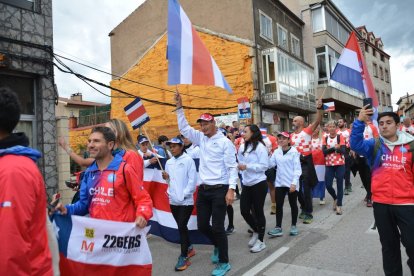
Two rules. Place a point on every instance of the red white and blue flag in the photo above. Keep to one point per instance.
(189, 61)
(90, 246)
(162, 222)
(330, 106)
(136, 113)
(352, 71)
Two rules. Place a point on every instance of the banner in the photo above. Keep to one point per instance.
(90, 246)
(244, 108)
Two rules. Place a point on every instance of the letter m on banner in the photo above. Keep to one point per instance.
(136, 113)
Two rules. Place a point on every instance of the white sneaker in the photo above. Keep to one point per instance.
(253, 239)
(258, 246)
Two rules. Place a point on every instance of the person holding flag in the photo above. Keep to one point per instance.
(218, 177)
(346, 132)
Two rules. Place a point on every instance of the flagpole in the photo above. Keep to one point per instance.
(152, 146)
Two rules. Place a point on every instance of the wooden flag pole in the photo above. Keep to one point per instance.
(323, 92)
(152, 147)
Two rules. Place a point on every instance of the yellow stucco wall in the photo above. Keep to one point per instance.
(78, 138)
(234, 60)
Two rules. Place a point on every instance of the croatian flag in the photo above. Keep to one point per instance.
(189, 61)
(330, 106)
(90, 246)
(162, 222)
(136, 113)
(351, 70)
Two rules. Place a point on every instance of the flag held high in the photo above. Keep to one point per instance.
(136, 113)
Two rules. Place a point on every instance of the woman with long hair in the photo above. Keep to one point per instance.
(253, 162)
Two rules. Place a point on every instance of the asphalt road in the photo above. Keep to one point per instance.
(331, 245)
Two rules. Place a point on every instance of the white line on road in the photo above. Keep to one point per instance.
(266, 262)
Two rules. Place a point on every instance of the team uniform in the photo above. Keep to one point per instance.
(346, 134)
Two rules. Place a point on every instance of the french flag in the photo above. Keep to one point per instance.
(162, 222)
(136, 113)
(189, 61)
(351, 70)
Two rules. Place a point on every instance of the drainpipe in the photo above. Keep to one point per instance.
(257, 63)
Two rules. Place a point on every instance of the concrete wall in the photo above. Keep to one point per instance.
(35, 28)
(139, 31)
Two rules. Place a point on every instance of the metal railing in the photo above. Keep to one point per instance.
(94, 119)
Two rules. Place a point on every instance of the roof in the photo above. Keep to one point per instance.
(404, 97)
(67, 101)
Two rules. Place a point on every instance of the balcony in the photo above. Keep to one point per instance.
(94, 119)
(289, 103)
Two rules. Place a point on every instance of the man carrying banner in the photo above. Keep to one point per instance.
(110, 189)
(218, 176)
(24, 249)
(301, 139)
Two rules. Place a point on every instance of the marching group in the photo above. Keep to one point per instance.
(281, 166)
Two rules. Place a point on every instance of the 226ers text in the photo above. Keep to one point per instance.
(123, 242)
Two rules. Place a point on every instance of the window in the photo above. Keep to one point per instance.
(266, 30)
(321, 63)
(384, 101)
(381, 73)
(334, 27)
(387, 76)
(282, 39)
(269, 74)
(317, 20)
(389, 99)
(382, 57)
(295, 44)
(367, 48)
(24, 4)
(333, 59)
(375, 69)
(378, 96)
(374, 53)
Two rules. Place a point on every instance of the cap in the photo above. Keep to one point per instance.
(143, 139)
(284, 134)
(206, 117)
(175, 140)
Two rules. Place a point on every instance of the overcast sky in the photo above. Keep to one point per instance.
(81, 31)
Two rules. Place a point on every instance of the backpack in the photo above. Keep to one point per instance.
(377, 147)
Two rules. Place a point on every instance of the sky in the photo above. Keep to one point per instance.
(81, 31)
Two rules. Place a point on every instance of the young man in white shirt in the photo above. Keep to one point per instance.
(218, 176)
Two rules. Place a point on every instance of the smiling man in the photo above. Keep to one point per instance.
(391, 160)
(218, 176)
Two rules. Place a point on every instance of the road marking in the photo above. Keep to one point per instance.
(266, 262)
(372, 229)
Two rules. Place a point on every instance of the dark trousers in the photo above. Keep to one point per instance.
(395, 223)
(364, 174)
(308, 180)
(280, 199)
(347, 177)
(230, 215)
(251, 207)
(211, 203)
(182, 215)
(337, 172)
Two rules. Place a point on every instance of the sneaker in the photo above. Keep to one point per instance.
(346, 191)
(321, 202)
(190, 252)
(276, 232)
(273, 209)
(302, 215)
(293, 231)
(308, 219)
(350, 189)
(338, 210)
(258, 246)
(230, 230)
(369, 203)
(182, 264)
(253, 240)
(221, 269)
(215, 256)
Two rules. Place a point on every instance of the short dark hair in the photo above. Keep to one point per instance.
(391, 114)
(343, 119)
(107, 133)
(162, 138)
(9, 109)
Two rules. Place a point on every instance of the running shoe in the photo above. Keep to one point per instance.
(293, 231)
(221, 269)
(302, 215)
(182, 264)
(308, 219)
(322, 202)
(258, 246)
(215, 256)
(276, 232)
(230, 230)
(346, 191)
(254, 239)
(191, 251)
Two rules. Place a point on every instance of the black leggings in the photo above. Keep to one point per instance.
(182, 215)
(252, 201)
(280, 199)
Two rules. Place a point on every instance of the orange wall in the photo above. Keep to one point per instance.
(234, 60)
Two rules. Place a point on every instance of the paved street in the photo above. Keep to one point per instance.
(331, 245)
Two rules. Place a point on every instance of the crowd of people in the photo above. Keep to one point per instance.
(262, 164)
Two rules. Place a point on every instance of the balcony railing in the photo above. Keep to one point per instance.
(94, 119)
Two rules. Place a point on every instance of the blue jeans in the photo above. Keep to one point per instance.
(338, 172)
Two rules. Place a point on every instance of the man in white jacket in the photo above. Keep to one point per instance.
(218, 176)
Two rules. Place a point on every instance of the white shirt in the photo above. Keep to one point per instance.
(257, 162)
(288, 167)
(182, 183)
(193, 151)
(147, 159)
(217, 154)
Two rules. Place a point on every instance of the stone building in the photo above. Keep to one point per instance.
(378, 63)
(26, 38)
(256, 44)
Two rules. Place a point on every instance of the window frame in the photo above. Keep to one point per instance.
(22, 4)
(270, 39)
(292, 38)
(287, 37)
(375, 69)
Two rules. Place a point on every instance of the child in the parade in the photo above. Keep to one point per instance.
(180, 172)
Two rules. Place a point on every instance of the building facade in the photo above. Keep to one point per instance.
(26, 39)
